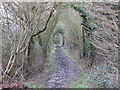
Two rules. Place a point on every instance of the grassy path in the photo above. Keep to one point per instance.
(63, 70)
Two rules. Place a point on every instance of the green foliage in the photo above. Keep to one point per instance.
(81, 82)
(87, 31)
(98, 24)
(82, 13)
(85, 17)
(113, 6)
(48, 66)
(78, 84)
(68, 54)
(58, 31)
(27, 85)
(109, 17)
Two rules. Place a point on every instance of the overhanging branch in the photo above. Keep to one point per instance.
(51, 13)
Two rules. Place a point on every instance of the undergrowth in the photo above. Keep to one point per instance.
(32, 85)
(81, 80)
(49, 64)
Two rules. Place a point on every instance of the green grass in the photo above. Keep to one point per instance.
(32, 85)
(82, 81)
(81, 78)
(52, 51)
(68, 54)
(49, 64)
(71, 57)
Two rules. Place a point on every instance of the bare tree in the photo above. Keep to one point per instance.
(22, 22)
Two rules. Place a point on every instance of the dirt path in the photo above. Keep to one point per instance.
(63, 70)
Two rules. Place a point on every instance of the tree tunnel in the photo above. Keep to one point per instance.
(64, 29)
(50, 38)
(58, 38)
(68, 31)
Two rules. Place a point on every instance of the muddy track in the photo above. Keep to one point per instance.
(63, 70)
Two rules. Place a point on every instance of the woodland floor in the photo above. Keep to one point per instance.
(63, 71)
